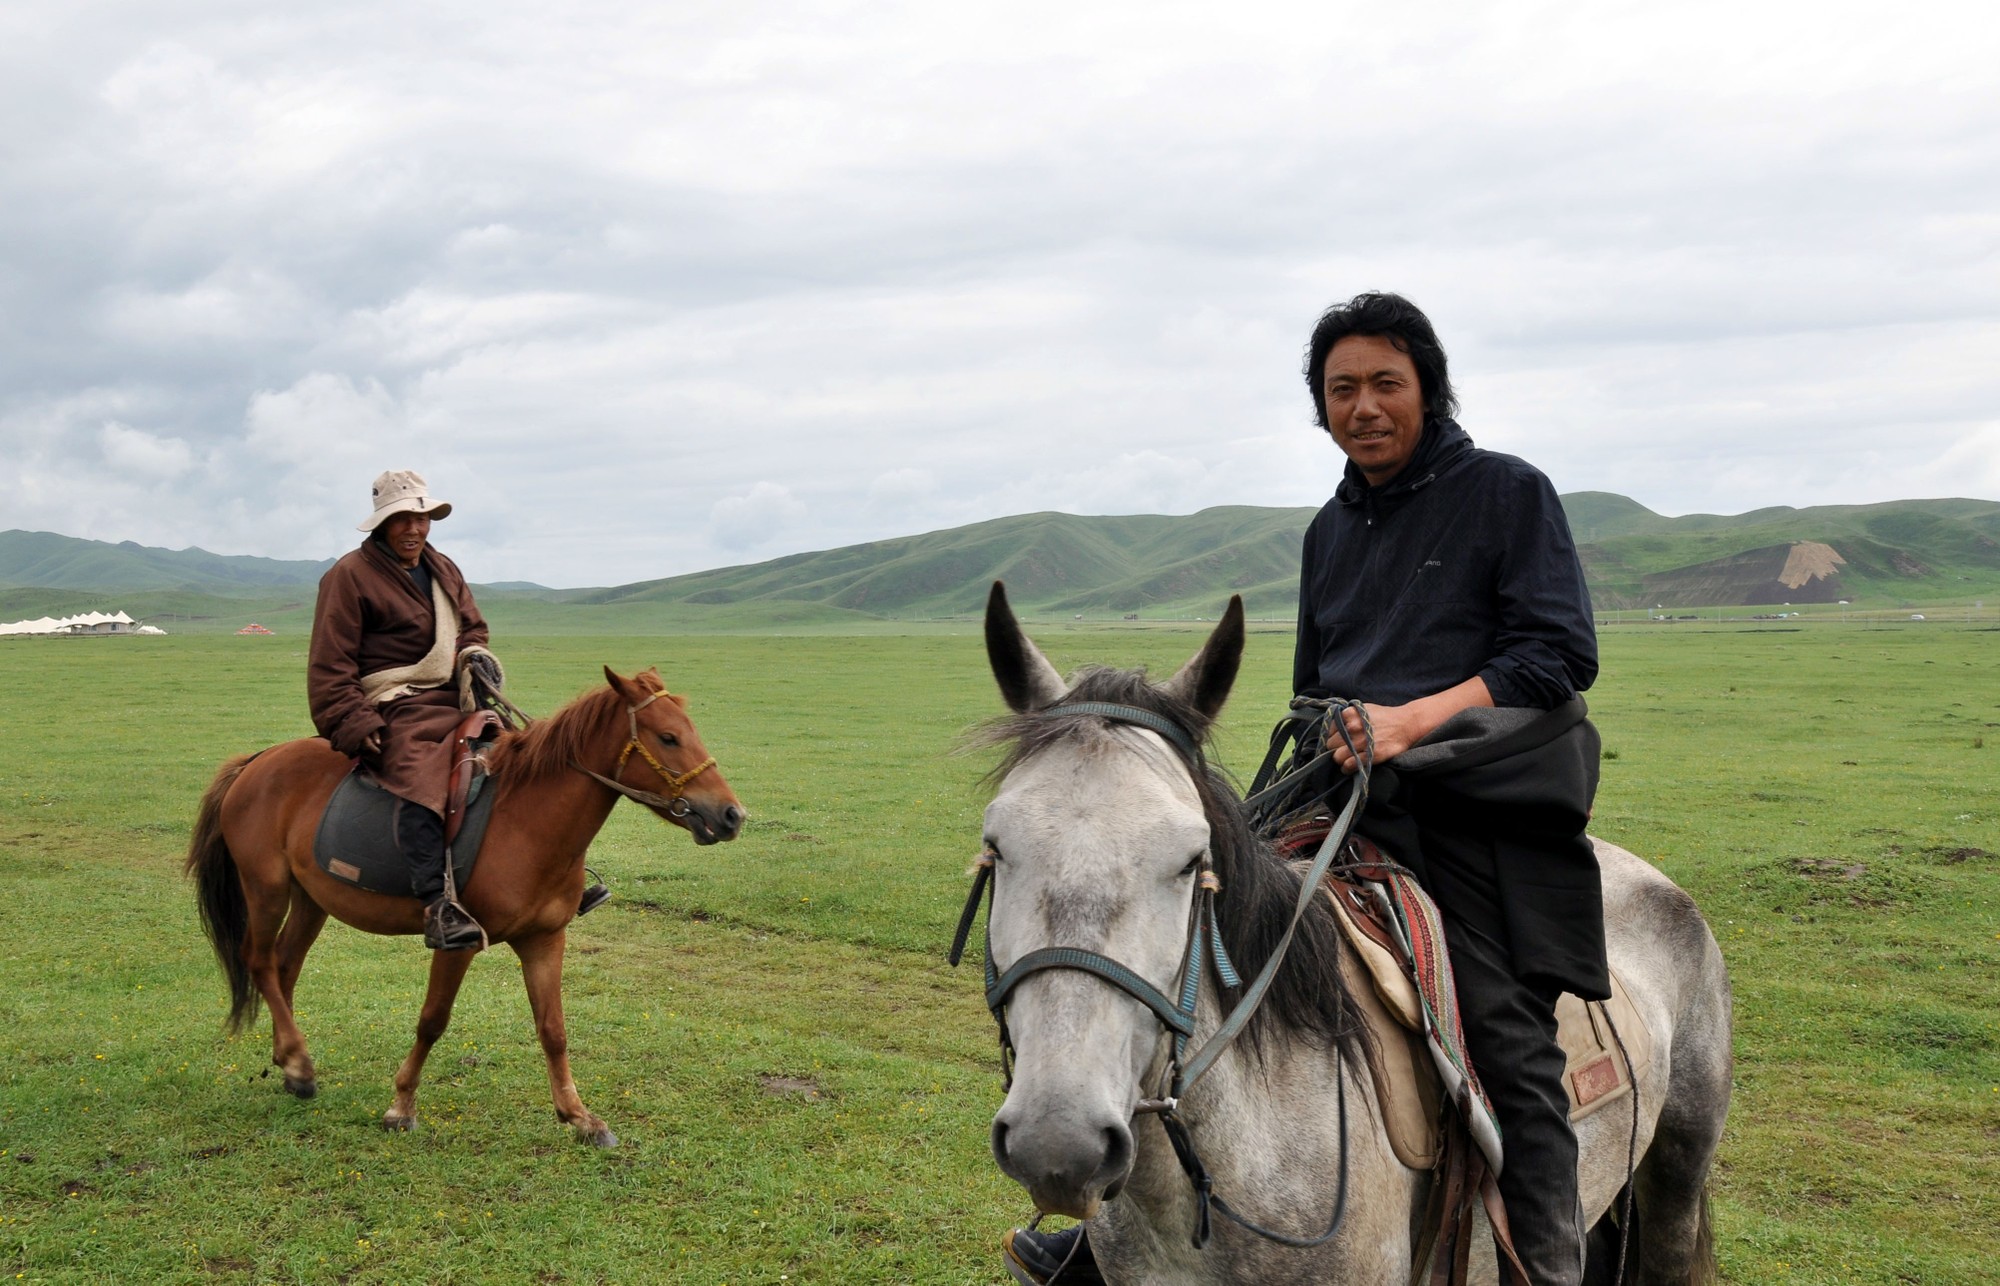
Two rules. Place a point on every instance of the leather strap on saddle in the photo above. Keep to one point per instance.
(1460, 1183)
(464, 765)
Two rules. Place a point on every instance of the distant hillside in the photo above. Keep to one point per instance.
(1906, 552)
(1050, 561)
(44, 560)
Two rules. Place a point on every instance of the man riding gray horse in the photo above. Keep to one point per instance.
(1441, 578)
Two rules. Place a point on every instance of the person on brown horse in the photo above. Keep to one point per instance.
(394, 620)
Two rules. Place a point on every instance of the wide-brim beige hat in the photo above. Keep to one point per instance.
(400, 491)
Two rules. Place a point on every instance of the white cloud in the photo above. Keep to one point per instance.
(755, 519)
(133, 451)
(648, 289)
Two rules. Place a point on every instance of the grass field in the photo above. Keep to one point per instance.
(802, 1087)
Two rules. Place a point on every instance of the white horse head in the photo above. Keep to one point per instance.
(1098, 834)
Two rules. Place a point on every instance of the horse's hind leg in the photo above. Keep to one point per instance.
(447, 972)
(266, 932)
(302, 925)
(1675, 1242)
(541, 967)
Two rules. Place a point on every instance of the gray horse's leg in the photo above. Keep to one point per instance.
(1675, 1246)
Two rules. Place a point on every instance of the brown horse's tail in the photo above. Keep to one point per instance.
(219, 894)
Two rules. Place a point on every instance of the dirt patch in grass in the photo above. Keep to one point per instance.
(1829, 868)
(790, 1086)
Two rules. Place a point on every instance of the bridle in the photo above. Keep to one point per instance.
(1204, 946)
(674, 803)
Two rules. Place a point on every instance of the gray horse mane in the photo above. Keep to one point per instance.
(1307, 1000)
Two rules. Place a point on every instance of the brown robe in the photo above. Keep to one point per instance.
(370, 616)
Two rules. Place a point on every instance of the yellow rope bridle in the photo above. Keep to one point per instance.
(674, 802)
(675, 781)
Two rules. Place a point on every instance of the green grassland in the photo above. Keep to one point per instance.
(1830, 794)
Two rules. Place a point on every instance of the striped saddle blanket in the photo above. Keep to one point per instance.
(1398, 943)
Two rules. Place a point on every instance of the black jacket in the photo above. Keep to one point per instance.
(1462, 565)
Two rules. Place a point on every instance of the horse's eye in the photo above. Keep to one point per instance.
(1193, 865)
(668, 739)
(991, 850)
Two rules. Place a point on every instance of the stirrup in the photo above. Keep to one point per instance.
(1039, 1258)
(593, 897)
(450, 927)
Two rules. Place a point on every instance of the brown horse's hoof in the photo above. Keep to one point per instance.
(601, 1137)
(400, 1124)
(304, 1088)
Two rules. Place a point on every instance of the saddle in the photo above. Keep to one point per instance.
(1409, 1076)
(356, 841)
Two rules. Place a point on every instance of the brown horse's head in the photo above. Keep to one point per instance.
(669, 759)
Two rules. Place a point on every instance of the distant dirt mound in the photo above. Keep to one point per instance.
(1810, 561)
(1806, 572)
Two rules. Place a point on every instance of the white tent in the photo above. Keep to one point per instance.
(86, 623)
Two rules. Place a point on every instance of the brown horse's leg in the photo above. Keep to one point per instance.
(541, 966)
(302, 925)
(266, 901)
(447, 972)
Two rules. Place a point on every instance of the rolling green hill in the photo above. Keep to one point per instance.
(45, 560)
(1050, 561)
(1902, 553)
(1898, 554)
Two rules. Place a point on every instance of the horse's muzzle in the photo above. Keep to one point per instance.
(710, 825)
(1069, 1167)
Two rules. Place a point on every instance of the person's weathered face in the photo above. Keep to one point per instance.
(405, 534)
(1374, 405)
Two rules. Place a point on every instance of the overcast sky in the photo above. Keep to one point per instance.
(646, 288)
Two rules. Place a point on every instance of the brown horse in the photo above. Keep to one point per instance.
(263, 900)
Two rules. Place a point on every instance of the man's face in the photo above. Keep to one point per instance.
(1374, 405)
(405, 534)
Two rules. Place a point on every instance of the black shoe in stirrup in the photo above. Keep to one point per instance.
(450, 927)
(1038, 1258)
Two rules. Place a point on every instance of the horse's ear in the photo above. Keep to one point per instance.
(1027, 680)
(619, 683)
(1204, 682)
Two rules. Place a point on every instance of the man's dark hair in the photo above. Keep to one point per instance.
(1395, 319)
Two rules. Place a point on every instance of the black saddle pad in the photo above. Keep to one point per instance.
(356, 843)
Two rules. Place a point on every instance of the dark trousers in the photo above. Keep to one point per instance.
(1510, 1033)
(420, 834)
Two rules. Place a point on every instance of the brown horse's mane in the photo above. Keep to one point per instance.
(547, 746)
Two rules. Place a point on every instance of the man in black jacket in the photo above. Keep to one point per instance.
(1441, 579)
(1439, 582)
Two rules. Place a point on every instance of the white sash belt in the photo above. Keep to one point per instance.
(434, 671)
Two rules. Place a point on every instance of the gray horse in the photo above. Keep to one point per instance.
(1098, 837)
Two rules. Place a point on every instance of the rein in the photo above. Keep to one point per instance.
(1203, 947)
(674, 803)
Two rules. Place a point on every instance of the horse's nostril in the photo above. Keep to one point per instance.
(1117, 1152)
(732, 817)
(1000, 1143)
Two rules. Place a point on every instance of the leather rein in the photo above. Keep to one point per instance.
(1204, 946)
(674, 803)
